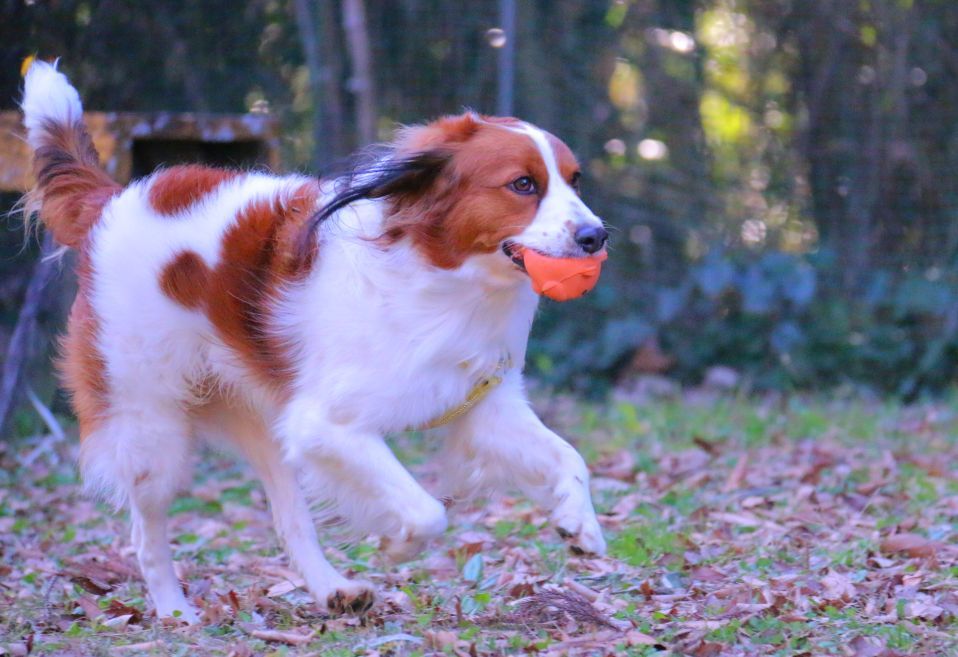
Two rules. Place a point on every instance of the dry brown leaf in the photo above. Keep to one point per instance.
(740, 519)
(923, 607)
(117, 608)
(118, 622)
(837, 587)
(707, 649)
(912, 545)
(636, 638)
(141, 647)
(89, 606)
(867, 646)
(558, 607)
(281, 588)
(708, 574)
(441, 639)
(287, 637)
(737, 476)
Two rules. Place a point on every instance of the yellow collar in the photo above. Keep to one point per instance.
(483, 387)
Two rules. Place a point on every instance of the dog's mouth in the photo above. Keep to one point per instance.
(556, 277)
(514, 252)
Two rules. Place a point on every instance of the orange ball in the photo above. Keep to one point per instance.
(562, 279)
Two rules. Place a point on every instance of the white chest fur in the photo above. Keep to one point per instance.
(385, 341)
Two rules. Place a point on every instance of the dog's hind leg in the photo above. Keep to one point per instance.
(246, 431)
(139, 456)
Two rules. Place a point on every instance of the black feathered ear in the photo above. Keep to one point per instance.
(408, 175)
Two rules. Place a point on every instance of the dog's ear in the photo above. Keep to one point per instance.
(420, 154)
(444, 133)
(400, 177)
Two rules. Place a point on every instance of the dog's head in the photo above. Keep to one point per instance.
(471, 185)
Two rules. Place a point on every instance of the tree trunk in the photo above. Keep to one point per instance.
(507, 59)
(361, 81)
(332, 77)
(328, 142)
(19, 349)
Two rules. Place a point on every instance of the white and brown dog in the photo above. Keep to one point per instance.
(302, 320)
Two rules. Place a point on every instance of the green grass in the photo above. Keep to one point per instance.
(736, 526)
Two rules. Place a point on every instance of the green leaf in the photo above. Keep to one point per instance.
(472, 571)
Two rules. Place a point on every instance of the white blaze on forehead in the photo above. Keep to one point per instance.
(545, 150)
(557, 187)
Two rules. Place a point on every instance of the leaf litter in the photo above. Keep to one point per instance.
(776, 526)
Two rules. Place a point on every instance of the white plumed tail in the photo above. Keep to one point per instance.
(48, 98)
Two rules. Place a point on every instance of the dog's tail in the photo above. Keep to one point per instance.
(71, 188)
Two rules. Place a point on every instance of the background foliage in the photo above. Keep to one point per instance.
(779, 174)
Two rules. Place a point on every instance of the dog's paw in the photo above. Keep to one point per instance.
(354, 597)
(419, 524)
(582, 533)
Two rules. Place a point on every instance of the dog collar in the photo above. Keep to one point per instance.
(483, 387)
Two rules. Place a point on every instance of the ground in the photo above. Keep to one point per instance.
(737, 526)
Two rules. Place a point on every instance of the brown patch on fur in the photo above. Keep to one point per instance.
(71, 188)
(258, 254)
(81, 364)
(185, 279)
(174, 190)
(470, 208)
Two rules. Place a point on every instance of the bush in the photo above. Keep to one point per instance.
(781, 319)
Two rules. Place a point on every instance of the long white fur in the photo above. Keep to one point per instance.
(383, 341)
(47, 97)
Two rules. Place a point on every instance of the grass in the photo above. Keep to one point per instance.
(778, 526)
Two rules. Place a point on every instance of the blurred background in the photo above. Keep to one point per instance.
(780, 176)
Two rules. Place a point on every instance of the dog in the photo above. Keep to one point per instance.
(301, 320)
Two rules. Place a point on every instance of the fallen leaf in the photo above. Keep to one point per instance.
(867, 646)
(636, 638)
(923, 607)
(118, 622)
(737, 476)
(117, 608)
(141, 647)
(280, 588)
(89, 606)
(912, 545)
(440, 639)
(287, 637)
(837, 587)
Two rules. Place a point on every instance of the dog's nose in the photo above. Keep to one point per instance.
(591, 238)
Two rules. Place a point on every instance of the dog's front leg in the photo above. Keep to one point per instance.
(353, 469)
(502, 441)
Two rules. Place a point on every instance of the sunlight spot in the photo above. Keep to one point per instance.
(675, 40)
(625, 85)
(681, 42)
(754, 231)
(615, 147)
(496, 37)
(652, 149)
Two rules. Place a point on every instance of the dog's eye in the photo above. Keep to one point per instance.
(574, 180)
(523, 185)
